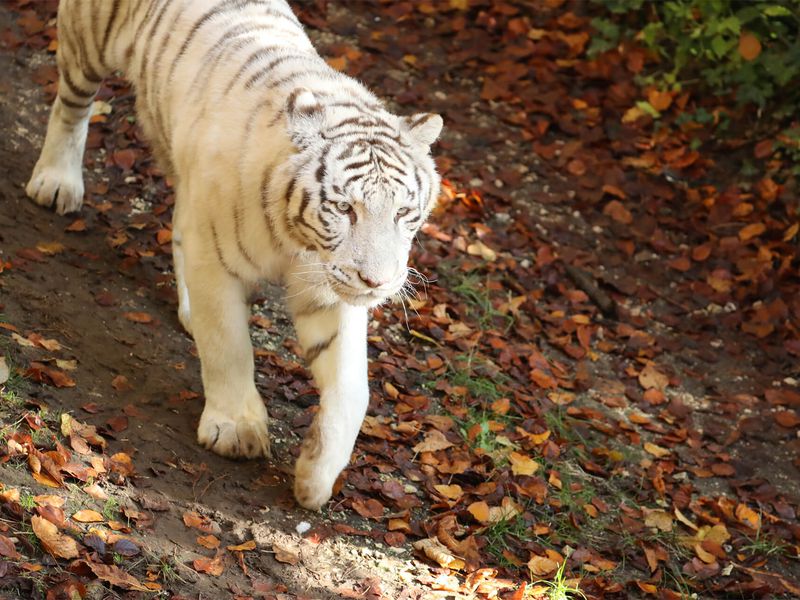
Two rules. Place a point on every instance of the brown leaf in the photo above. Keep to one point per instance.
(7, 548)
(76, 226)
(452, 492)
(208, 541)
(787, 418)
(116, 576)
(434, 441)
(369, 509)
(439, 553)
(617, 211)
(120, 383)
(211, 566)
(138, 317)
(53, 541)
(749, 46)
(125, 159)
(522, 464)
(542, 566)
(651, 377)
(88, 516)
(748, 232)
(201, 522)
(246, 546)
(479, 510)
(285, 555)
(748, 516)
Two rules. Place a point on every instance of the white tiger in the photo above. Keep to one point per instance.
(284, 169)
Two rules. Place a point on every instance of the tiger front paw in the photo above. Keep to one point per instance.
(59, 184)
(242, 436)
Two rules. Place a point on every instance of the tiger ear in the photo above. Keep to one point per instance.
(423, 128)
(305, 117)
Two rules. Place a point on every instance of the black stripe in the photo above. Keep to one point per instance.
(221, 259)
(353, 178)
(74, 89)
(110, 24)
(264, 71)
(75, 105)
(357, 165)
(313, 353)
(237, 222)
(260, 53)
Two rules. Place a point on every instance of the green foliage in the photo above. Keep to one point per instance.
(698, 44)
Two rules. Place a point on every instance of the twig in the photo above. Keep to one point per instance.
(588, 284)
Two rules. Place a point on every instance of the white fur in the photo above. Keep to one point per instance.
(284, 170)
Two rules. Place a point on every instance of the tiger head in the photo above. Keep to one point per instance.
(365, 182)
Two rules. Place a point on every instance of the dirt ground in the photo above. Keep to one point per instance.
(84, 295)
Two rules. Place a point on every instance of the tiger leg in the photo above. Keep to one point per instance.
(57, 176)
(179, 261)
(334, 341)
(234, 420)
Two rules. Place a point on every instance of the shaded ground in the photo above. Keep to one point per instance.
(653, 443)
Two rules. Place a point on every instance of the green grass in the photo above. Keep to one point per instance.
(558, 588)
(111, 509)
(479, 303)
(762, 546)
(499, 537)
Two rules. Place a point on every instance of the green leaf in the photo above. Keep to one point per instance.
(776, 10)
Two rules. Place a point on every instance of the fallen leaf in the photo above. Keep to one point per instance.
(285, 555)
(88, 516)
(138, 317)
(53, 541)
(434, 441)
(438, 553)
(522, 464)
(211, 566)
(452, 492)
(246, 546)
(4, 370)
(208, 541)
(651, 377)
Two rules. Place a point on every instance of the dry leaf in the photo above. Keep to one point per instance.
(249, 545)
(285, 554)
(208, 541)
(452, 492)
(211, 566)
(53, 541)
(438, 553)
(434, 441)
(522, 464)
(88, 516)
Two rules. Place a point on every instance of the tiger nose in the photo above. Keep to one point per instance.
(370, 282)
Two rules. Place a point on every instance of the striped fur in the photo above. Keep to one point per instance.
(284, 170)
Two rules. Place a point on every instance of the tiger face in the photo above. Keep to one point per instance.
(365, 186)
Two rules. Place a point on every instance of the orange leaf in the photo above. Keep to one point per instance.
(138, 317)
(617, 211)
(249, 545)
(661, 101)
(749, 46)
(748, 516)
(748, 232)
(208, 541)
(211, 566)
(88, 516)
(479, 510)
(53, 541)
(452, 492)
(522, 464)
